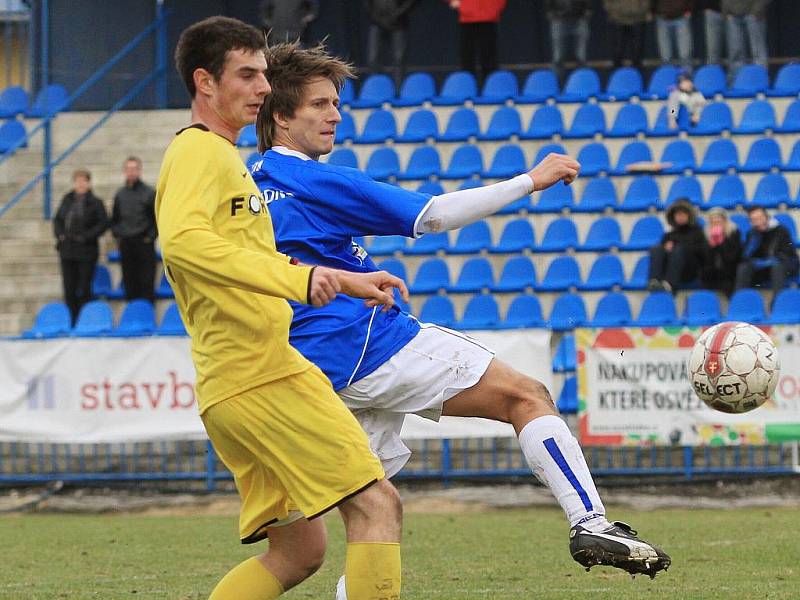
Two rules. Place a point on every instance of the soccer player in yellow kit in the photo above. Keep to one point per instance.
(293, 447)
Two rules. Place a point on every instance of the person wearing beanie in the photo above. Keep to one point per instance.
(723, 251)
(678, 258)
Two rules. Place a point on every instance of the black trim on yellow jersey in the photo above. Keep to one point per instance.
(342, 500)
(199, 126)
(308, 290)
(259, 534)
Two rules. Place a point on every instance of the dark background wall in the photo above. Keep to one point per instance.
(84, 35)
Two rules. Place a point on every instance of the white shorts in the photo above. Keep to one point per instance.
(432, 368)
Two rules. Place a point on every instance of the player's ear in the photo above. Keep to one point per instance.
(203, 81)
(280, 120)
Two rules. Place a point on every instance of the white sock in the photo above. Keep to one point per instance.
(341, 591)
(555, 457)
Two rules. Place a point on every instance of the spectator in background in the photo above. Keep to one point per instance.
(679, 257)
(723, 251)
(684, 97)
(769, 255)
(80, 221)
(286, 20)
(713, 26)
(745, 18)
(478, 19)
(674, 31)
(627, 20)
(388, 19)
(133, 223)
(568, 18)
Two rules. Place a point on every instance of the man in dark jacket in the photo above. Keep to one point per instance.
(286, 20)
(568, 18)
(80, 220)
(627, 21)
(678, 259)
(769, 255)
(674, 31)
(478, 36)
(388, 19)
(133, 223)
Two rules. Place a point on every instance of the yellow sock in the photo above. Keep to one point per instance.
(249, 580)
(372, 571)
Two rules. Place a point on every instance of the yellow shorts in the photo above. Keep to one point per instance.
(291, 445)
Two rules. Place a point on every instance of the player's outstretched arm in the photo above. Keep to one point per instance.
(377, 288)
(554, 168)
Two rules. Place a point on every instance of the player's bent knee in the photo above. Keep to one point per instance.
(379, 502)
(532, 395)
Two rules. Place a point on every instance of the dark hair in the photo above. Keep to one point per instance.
(205, 45)
(133, 158)
(754, 207)
(81, 173)
(289, 69)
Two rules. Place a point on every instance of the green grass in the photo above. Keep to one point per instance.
(510, 554)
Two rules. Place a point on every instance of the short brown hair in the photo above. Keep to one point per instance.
(205, 45)
(289, 69)
(133, 158)
(81, 173)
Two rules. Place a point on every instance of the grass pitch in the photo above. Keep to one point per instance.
(502, 554)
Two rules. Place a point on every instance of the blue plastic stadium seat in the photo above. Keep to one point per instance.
(662, 79)
(606, 272)
(568, 398)
(375, 90)
(604, 234)
(742, 224)
(624, 84)
(386, 245)
(559, 235)
(715, 118)
(546, 122)
(793, 163)
(791, 119)
(638, 279)
(50, 100)
(346, 129)
(380, 126)
(517, 236)
(720, 156)
(786, 307)
(787, 82)
(395, 267)
(658, 309)
(685, 187)
(439, 310)
(424, 163)
(563, 273)
(164, 289)
(421, 126)
(702, 308)
(343, 157)
(462, 125)
(554, 199)
(348, 93)
(710, 80)
(516, 207)
(94, 320)
(519, 274)
(646, 232)
(457, 89)
(746, 305)
(589, 120)
(749, 81)
(594, 159)
(631, 120)
(661, 126)
(632, 152)
(247, 137)
(416, 89)
(171, 323)
(505, 122)
(758, 116)
(430, 243)
(546, 149)
(138, 319)
(434, 188)
(598, 195)
(383, 164)
(498, 87)
(52, 320)
(564, 358)
(509, 160)
(12, 133)
(481, 313)
(764, 155)
(13, 102)
(539, 87)
(524, 311)
(728, 192)
(472, 239)
(466, 161)
(433, 276)
(581, 85)
(681, 154)
(101, 282)
(642, 194)
(771, 191)
(476, 275)
(568, 312)
(613, 310)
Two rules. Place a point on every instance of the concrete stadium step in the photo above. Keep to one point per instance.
(38, 265)
(30, 287)
(41, 247)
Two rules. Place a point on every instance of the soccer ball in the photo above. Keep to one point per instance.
(734, 367)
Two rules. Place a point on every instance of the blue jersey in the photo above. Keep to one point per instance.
(317, 210)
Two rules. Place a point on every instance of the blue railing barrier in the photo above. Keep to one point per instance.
(195, 462)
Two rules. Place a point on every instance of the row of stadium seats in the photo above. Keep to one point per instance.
(584, 83)
(15, 101)
(102, 287)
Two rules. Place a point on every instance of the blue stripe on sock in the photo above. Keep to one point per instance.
(555, 453)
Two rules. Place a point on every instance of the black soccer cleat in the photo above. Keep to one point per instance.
(617, 547)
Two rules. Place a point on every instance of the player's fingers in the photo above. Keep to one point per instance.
(570, 175)
(395, 282)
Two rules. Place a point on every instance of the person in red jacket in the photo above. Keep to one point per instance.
(478, 20)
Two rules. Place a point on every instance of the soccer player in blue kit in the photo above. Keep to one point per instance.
(385, 365)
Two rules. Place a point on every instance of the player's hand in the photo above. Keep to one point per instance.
(324, 286)
(554, 168)
(377, 288)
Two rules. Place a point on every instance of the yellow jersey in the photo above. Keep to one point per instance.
(230, 282)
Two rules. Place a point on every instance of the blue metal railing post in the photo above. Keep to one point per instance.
(447, 463)
(688, 462)
(211, 467)
(161, 56)
(47, 145)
